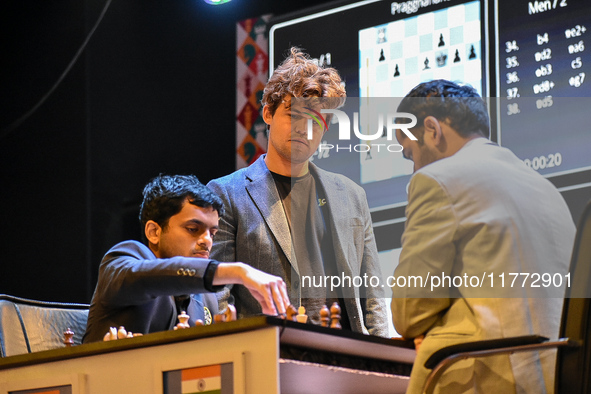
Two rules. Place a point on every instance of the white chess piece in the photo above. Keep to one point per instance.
(301, 316)
(121, 333)
(183, 321)
(111, 335)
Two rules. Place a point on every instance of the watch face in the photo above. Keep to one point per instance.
(207, 316)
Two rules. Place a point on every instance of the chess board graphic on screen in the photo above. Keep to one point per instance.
(397, 56)
(443, 44)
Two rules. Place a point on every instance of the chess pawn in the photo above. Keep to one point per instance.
(199, 322)
(121, 333)
(335, 316)
(68, 337)
(302, 317)
(324, 319)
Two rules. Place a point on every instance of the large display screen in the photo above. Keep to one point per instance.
(528, 57)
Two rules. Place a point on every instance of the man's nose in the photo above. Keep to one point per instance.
(207, 239)
(300, 129)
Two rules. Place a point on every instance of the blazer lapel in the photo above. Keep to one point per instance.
(263, 192)
(337, 201)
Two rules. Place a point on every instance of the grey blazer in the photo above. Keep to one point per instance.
(255, 231)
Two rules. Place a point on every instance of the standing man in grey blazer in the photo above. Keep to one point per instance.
(477, 211)
(287, 217)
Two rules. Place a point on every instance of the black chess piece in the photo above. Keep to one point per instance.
(382, 57)
(324, 316)
(441, 60)
(426, 62)
(472, 52)
(457, 57)
(335, 315)
(441, 42)
(396, 71)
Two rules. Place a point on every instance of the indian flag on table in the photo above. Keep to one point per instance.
(210, 379)
(207, 380)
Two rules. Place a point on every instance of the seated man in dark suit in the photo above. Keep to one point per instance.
(145, 287)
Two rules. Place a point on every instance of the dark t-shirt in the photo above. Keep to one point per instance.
(312, 241)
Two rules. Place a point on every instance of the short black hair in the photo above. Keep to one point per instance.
(460, 105)
(165, 195)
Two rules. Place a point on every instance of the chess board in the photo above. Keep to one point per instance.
(397, 56)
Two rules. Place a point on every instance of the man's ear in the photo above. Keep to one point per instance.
(153, 232)
(433, 130)
(267, 115)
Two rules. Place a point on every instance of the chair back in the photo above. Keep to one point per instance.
(573, 367)
(28, 326)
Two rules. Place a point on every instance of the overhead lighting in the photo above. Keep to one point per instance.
(216, 2)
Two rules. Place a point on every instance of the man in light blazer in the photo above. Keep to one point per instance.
(476, 210)
(287, 217)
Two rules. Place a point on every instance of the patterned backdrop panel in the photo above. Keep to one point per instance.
(252, 72)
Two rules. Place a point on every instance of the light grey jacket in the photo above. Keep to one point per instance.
(255, 230)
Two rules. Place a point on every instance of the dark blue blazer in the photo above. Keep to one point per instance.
(145, 294)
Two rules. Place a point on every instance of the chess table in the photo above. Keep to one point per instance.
(257, 355)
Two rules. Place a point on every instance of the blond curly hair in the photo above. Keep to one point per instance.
(300, 76)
